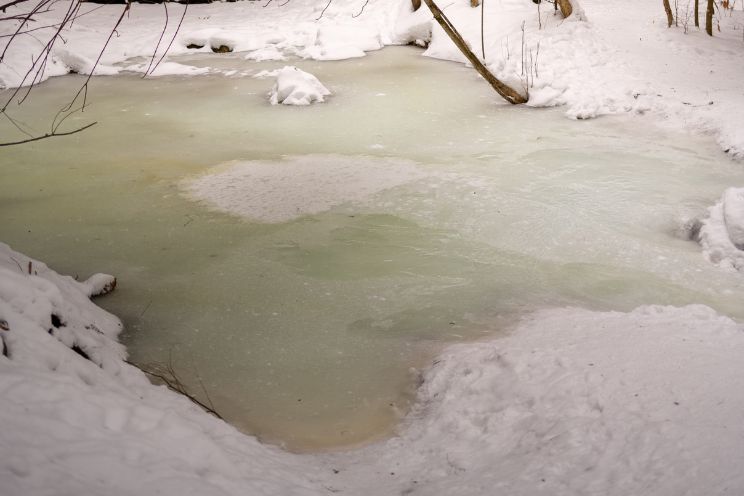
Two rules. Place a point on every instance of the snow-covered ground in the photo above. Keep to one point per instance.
(572, 402)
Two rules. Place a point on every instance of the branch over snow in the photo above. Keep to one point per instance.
(508, 93)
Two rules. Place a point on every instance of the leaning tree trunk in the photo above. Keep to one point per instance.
(697, 10)
(709, 19)
(565, 6)
(670, 16)
(509, 94)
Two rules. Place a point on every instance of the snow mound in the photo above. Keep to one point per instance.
(80, 64)
(34, 296)
(722, 232)
(267, 53)
(339, 41)
(297, 186)
(297, 87)
(576, 402)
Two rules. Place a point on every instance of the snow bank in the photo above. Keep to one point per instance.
(296, 87)
(268, 30)
(722, 232)
(571, 402)
(576, 402)
(297, 186)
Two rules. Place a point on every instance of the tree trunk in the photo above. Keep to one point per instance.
(508, 93)
(709, 19)
(697, 10)
(668, 10)
(565, 6)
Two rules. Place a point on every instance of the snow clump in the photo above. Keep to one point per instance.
(722, 233)
(296, 87)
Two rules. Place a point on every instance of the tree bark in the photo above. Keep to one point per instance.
(670, 16)
(508, 93)
(709, 19)
(565, 6)
(697, 10)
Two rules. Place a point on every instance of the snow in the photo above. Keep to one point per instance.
(297, 87)
(167, 69)
(272, 192)
(569, 402)
(722, 232)
(267, 53)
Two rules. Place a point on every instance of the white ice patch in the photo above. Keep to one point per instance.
(168, 69)
(722, 233)
(266, 74)
(288, 189)
(296, 87)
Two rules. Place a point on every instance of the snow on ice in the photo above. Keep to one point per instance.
(278, 191)
(297, 87)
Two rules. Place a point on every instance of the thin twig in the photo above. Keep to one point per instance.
(157, 45)
(360, 11)
(48, 135)
(324, 9)
(178, 28)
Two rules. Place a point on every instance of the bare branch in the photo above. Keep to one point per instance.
(178, 28)
(324, 9)
(48, 135)
(361, 10)
(157, 45)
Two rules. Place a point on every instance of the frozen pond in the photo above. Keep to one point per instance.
(304, 330)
